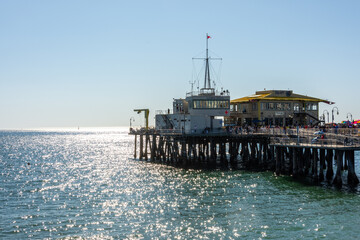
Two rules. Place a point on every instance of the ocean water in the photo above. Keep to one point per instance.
(84, 184)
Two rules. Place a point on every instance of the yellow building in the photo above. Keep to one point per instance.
(276, 108)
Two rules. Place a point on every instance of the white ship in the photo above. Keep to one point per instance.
(200, 112)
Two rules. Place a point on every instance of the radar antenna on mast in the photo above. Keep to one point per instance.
(207, 80)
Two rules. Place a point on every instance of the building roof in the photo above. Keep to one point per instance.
(278, 95)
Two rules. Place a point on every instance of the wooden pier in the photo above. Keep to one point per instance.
(256, 152)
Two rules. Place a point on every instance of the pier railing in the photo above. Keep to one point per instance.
(313, 137)
(214, 92)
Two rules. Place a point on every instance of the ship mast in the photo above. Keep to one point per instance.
(207, 69)
(207, 89)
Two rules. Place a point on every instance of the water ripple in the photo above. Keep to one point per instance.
(83, 184)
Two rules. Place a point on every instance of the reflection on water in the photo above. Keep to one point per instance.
(82, 183)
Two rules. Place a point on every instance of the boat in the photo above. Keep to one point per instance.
(200, 112)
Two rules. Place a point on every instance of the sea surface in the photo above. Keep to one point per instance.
(84, 184)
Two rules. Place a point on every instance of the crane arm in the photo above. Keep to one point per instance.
(146, 112)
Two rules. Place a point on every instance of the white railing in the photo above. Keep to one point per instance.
(214, 92)
(310, 136)
(160, 112)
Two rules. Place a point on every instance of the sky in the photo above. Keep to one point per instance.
(90, 63)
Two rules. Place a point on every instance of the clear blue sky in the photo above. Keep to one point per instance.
(89, 63)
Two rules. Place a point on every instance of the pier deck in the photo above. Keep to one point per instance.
(301, 154)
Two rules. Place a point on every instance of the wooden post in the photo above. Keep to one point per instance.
(231, 152)
(183, 152)
(246, 155)
(169, 153)
(135, 146)
(146, 146)
(253, 154)
(201, 152)
(165, 149)
(322, 164)
(175, 155)
(222, 149)
(290, 159)
(141, 146)
(314, 165)
(345, 162)
(307, 161)
(266, 156)
(339, 159)
(195, 149)
(329, 162)
(153, 148)
(295, 166)
(207, 151)
(272, 165)
(352, 178)
(278, 154)
(189, 150)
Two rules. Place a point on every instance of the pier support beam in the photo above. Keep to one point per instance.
(146, 146)
(279, 155)
(350, 158)
(153, 148)
(135, 148)
(329, 163)
(339, 159)
(272, 164)
(141, 146)
(322, 164)
(315, 165)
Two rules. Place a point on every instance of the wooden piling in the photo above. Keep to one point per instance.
(250, 152)
(339, 159)
(135, 148)
(315, 165)
(352, 178)
(322, 164)
(141, 146)
(329, 166)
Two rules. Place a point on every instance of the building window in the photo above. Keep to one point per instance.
(296, 107)
(314, 107)
(210, 104)
(287, 106)
(271, 106)
(277, 106)
(311, 107)
(308, 106)
(244, 108)
(263, 106)
(254, 106)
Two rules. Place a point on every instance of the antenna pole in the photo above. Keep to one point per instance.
(207, 69)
